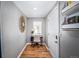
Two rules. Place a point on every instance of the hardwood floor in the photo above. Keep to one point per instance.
(36, 52)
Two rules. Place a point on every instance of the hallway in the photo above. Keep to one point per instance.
(52, 23)
(36, 52)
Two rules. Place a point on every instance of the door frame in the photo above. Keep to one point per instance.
(59, 25)
(0, 50)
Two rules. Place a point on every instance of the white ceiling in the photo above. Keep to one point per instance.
(35, 8)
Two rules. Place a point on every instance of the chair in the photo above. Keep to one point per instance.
(32, 41)
(41, 40)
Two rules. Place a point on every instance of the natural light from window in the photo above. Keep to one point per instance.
(37, 27)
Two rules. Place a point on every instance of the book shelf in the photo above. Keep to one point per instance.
(71, 11)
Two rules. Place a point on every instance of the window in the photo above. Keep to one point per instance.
(37, 27)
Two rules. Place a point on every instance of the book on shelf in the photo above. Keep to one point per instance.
(71, 20)
(67, 3)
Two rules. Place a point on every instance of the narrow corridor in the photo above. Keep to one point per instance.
(36, 52)
(53, 23)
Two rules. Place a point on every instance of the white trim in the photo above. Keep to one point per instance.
(46, 46)
(51, 53)
(22, 50)
(48, 49)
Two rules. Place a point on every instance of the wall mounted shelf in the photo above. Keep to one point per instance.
(71, 26)
(71, 9)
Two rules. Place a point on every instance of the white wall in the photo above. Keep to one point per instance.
(12, 39)
(30, 24)
(52, 30)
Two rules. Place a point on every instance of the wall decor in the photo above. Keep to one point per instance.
(22, 23)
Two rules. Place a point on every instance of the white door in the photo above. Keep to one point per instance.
(53, 30)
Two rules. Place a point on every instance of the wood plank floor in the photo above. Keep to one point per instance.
(36, 52)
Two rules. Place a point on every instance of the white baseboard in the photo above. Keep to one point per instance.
(46, 46)
(51, 52)
(22, 50)
(48, 49)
